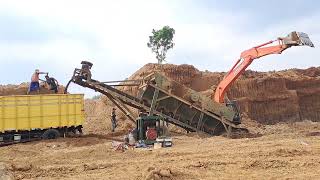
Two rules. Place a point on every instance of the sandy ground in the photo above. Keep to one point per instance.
(282, 152)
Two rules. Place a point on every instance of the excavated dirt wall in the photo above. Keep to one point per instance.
(266, 97)
(266, 100)
(308, 92)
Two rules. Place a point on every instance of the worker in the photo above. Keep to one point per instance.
(113, 119)
(35, 85)
(52, 83)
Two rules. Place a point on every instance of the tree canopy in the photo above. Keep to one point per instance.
(161, 41)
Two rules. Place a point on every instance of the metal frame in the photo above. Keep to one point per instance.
(123, 100)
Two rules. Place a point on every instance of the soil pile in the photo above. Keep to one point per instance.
(291, 95)
(266, 97)
(98, 118)
(22, 89)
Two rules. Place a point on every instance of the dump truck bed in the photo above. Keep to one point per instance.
(37, 112)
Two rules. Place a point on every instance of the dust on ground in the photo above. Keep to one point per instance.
(283, 151)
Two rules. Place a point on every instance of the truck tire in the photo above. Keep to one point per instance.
(80, 130)
(51, 134)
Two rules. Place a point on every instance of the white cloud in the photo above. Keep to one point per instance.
(208, 38)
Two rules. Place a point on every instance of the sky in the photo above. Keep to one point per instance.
(55, 36)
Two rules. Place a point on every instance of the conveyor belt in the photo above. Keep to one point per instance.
(127, 99)
(200, 121)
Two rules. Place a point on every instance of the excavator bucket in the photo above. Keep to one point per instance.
(297, 39)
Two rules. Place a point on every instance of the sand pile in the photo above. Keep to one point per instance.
(22, 89)
(98, 118)
(266, 97)
(291, 95)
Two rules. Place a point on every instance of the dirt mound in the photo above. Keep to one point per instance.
(22, 89)
(163, 174)
(98, 118)
(266, 97)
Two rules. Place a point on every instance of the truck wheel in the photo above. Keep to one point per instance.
(80, 130)
(51, 134)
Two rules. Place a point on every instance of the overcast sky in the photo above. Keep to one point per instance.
(55, 36)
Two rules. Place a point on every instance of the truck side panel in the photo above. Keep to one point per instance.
(29, 112)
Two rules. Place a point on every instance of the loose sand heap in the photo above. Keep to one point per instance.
(22, 89)
(98, 118)
(264, 97)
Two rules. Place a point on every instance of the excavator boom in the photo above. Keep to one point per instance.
(248, 56)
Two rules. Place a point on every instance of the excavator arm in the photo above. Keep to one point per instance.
(248, 56)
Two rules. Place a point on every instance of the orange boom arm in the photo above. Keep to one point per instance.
(248, 56)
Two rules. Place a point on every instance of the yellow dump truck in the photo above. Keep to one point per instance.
(28, 117)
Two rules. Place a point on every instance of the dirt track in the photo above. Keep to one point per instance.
(284, 151)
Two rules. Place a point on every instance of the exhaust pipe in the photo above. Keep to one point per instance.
(297, 39)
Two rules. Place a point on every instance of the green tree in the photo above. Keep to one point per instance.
(161, 41)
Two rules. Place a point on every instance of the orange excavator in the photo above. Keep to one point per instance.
(248, 56)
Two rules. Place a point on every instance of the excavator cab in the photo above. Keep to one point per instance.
(235, 107)
(297, 39)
